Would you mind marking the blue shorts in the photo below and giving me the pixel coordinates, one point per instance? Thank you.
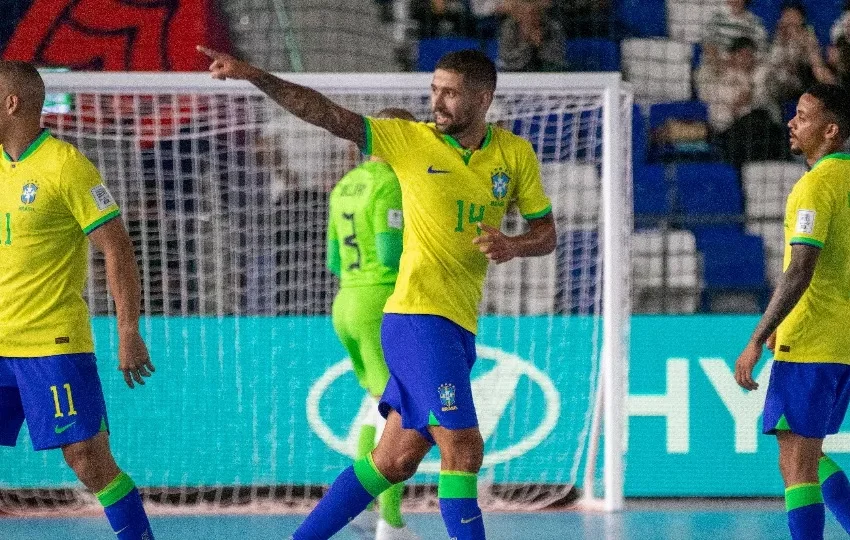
(430, 359)
(59, 396)
(809, 399)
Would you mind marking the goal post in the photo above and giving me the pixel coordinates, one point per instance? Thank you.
(254, 403)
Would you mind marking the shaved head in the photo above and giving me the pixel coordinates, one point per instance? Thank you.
(21, 79)
(395, 112)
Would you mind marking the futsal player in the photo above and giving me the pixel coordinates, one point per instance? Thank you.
(805, 323)
(458, 176)
(52, 203)
(364, 248)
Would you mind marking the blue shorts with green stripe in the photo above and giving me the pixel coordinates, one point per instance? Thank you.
(60, 397)
(430, 359)
(809, 399)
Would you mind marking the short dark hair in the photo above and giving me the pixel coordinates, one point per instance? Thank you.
(836, 101)
(24, 78)
(742, 42)
(474, 65)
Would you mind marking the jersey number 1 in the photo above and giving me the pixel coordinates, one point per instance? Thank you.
(8, 229)
(71, 410)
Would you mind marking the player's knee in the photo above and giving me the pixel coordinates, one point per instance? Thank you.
(82, 460)
(398, 467)
(463, 452)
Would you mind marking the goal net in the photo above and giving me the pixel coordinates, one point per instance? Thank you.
(254, 404)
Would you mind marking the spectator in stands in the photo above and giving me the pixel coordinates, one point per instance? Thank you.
(730, 22)
(841, 27)
(838, 53)
(438, 18)
(531, 41)
(584, 18)
(737, 109)
(794, 62)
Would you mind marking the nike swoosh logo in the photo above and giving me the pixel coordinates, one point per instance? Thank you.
(432, 170)
(59, 430)
(470, 520)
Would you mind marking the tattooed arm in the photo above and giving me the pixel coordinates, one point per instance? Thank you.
(305, 103)
(791, 287)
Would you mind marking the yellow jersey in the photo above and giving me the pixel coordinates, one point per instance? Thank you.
(818, 214)
(51, 198)
(446, 190)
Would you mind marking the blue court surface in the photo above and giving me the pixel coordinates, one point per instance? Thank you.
(728, 521)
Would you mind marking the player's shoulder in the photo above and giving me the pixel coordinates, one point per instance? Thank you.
(831, 171)
(509, 139)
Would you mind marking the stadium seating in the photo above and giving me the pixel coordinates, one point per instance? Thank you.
(766, 188)
(575, 192)
(674, 146)
(642, 18)
(431, 49)
(686, 19)
(651, 196)
(659, 69)
(640, 142)
(734, 268)
(592, 54)
(665, 272)
(821, 14)
(707, 193)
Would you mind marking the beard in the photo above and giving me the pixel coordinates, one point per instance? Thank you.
(452, 126)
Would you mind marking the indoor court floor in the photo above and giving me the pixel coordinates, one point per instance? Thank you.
(729, 520)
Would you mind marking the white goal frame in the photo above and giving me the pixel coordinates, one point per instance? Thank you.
(610, 406)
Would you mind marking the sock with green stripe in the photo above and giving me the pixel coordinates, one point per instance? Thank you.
(458, 493)
(366, 440)
(391, 505)
(836, 490)
(349, 495)
(122, 505)
(806, 514)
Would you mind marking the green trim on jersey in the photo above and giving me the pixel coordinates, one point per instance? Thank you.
(101, 221)
(30, 149)
(367, 144)
(836, 155)
(807, 241)
(466, 153)
(540, 214)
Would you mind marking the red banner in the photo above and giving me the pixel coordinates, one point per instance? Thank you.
(118, 35)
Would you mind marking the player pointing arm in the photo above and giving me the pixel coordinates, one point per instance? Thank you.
(305, 103)
(458, 177)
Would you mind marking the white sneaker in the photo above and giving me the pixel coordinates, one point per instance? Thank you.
(365, 523)
(385, 531)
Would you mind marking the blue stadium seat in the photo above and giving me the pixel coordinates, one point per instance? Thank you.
(552, 136)
(432, 49)
(706, 190)
(592, 54)
(643, 18)
(640, 141)
(651, 201)
(768, 11)
(732, 262)
(689, 111)
(577, 253)
(821, 14)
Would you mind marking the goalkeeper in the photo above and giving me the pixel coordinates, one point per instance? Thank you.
(364, 248)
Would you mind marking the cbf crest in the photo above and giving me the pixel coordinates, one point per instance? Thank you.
(500, 180)
(447, 397)
(28, 194)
